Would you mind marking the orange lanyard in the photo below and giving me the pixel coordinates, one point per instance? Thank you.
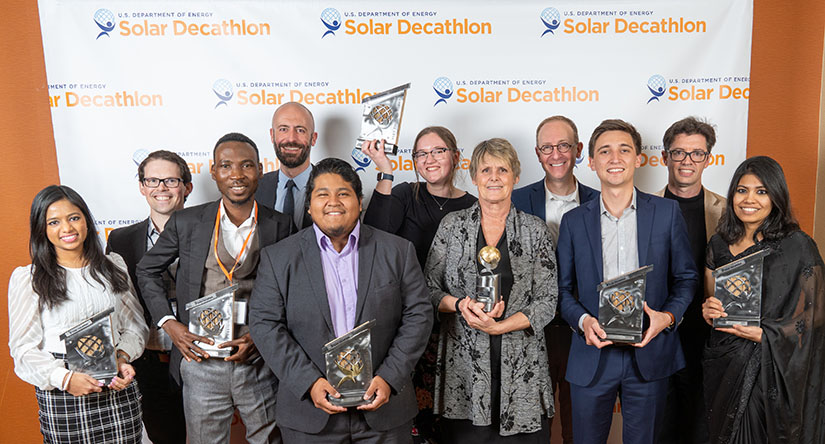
(229, 273)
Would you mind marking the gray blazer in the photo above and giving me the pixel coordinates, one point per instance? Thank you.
(462, 389)
(290, 322)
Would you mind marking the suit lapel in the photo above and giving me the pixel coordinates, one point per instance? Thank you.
(366, 250)
(267, 228)
(201, 245)
(644, 224)
(593, 228)
(311, 261)
(537, 200)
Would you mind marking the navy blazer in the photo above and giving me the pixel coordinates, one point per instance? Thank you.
(267, 193)
(531, 199)
(663, 241)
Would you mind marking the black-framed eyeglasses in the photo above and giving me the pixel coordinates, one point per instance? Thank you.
(170, 182)
(679, 155)
(563, 147)
(437, 153)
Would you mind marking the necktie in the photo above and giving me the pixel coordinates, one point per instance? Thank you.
(289, 199)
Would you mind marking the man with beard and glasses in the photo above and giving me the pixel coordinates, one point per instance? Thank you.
(217, 244)
(293, 135)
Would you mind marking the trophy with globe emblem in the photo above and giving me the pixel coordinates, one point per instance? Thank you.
(349, 365)
(90, 348)
(738, 285)
(214, 317)
(488, 284)
(381, 117)
(621, 305)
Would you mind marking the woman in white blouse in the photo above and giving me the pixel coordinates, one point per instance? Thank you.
(69, 280)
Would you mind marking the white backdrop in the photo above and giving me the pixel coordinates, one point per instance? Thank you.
(129, 77)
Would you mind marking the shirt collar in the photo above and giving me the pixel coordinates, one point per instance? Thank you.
(226, 222)
(300, 180)
(325, 243)
(572, 197)
(604, 209)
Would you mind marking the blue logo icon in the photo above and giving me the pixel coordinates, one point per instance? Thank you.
(331, 19)
(223, 89)
(656, 85)
(139, 156)
(444, 88)
(551, 19)
(360, 159)
(105, 21)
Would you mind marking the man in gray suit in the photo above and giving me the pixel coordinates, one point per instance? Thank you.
(319, 284)
(217, 244)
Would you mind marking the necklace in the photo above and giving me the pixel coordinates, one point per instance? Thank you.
(440, 205)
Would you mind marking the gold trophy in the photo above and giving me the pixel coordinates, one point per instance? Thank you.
(488, 284)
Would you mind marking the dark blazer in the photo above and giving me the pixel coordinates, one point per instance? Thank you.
(663, 242)
(130, 243)
(290, 322)
(267, 192)
(187, 236)
(531, 198)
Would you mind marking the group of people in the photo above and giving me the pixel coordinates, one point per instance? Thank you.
(446, 368)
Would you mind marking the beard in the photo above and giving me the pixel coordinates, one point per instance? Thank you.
(290, 160)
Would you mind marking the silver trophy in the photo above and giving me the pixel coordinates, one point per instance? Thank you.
(738, 285)
(349, 365)
(488, 284)
(213, 316)
(381, 118)
(90, 348)
(621, 305)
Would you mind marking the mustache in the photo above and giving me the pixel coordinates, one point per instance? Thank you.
(292, 145)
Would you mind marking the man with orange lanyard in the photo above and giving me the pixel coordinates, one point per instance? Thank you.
(218, 245)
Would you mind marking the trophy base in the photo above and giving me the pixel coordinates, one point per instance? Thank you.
(731, 321)
(349, 400)
(213, 351)
(389, 148)
(624, 337)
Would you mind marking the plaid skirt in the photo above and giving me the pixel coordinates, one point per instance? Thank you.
(106, 417)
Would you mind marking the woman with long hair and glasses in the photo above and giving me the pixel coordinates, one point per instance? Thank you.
(69, 280)
(765, 384)
(413, 210)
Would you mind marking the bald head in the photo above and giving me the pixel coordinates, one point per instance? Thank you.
(293, 135)
(294, 108)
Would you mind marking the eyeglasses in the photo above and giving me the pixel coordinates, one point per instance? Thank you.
(679, 155)
(563, 147)
(170, 182)
(437, 153)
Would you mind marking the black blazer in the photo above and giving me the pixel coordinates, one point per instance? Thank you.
(267, 192)
(290, 322)
(187, 236)
(130, 243)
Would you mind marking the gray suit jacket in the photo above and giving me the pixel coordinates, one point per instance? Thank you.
(290, 322)
(186, 236)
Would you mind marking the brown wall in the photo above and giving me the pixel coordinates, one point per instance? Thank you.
(786, 76)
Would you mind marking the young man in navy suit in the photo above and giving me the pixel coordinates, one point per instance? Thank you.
(602, 239)
(557, 148)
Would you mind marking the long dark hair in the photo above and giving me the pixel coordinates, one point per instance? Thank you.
(780, 222)
(48, 278)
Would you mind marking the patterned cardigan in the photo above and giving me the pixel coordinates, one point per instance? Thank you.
(462, 388)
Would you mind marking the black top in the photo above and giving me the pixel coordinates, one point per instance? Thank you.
(413, 218)
(693, 331)
(779, 379)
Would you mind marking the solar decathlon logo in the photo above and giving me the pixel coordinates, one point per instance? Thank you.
(443, 87)
(139, 156)
(360, 159)
(223, 89)
(656, 86)
(551, 19)
(105, 20)
(331, 19)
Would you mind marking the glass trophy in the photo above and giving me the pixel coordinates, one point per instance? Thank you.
(349, 365)
(488, 286)
(621, 305)
(381, 118)
(738, 285)
(212, 316)
(90, 348)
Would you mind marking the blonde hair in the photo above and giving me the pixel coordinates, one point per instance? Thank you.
(499, 148)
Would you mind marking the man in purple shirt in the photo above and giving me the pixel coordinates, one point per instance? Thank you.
(318, 285)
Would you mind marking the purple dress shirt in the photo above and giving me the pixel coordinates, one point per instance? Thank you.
(341, 278)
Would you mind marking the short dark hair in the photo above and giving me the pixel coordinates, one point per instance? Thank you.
(690, 126)
(559, 118)
(48, 278)
(780, 222)
(615, 125)
(168, 156)
(334, 166)
(236, 137)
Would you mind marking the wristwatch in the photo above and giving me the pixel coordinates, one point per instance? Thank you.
(385, 176)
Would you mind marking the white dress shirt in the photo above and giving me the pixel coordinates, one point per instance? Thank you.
(554, 208)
